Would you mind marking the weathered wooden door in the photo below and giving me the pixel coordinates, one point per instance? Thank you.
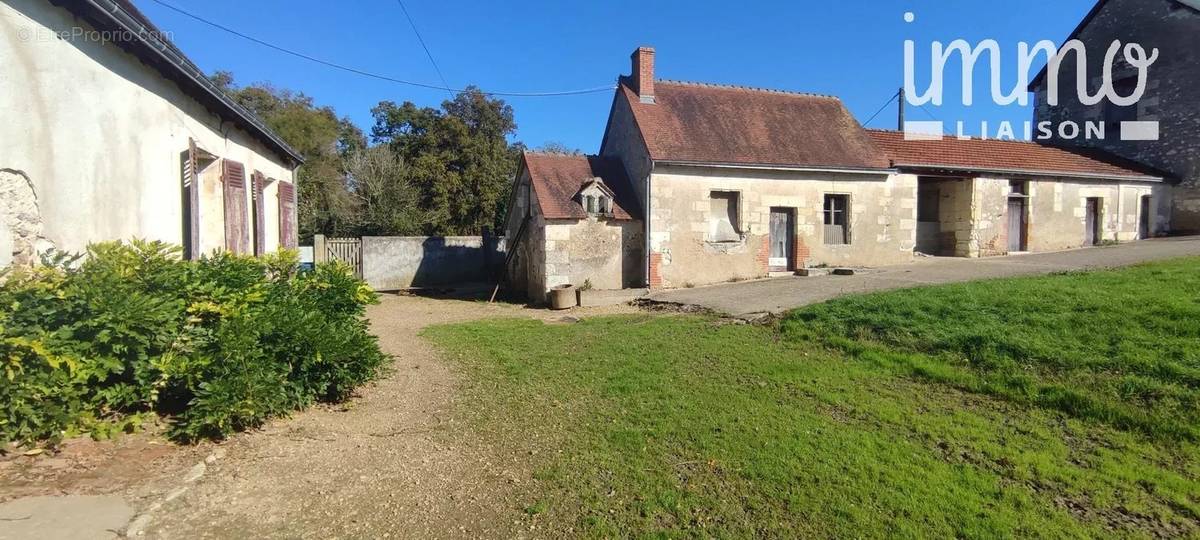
(1016, 224)
(782, 238)
(1144, 218)
(237, 230)
(1092, 222)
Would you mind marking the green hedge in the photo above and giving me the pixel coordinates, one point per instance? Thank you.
(100, 342)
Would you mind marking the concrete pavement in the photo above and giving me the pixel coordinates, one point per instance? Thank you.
(781, 294)
(69, 517)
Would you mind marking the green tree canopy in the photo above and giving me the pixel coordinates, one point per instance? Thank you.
(459, 157)
(444, 171)
(325, 204)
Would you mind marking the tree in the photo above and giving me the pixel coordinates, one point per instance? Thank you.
(555, 147)
(459, 158)
(387, 202)
(325, 203)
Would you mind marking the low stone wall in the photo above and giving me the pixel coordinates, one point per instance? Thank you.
(401, 262)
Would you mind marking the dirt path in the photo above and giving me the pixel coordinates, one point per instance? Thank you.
(391, 463)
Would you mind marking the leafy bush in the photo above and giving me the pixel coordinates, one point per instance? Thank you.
(216, 345)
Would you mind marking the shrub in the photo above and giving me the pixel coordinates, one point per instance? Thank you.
(215, 345)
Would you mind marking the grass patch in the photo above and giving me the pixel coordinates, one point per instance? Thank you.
(1119, 346)
(668, 426)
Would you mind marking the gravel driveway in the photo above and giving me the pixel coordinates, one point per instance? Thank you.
(393, 462)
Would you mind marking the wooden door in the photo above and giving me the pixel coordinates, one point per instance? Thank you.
(1144, 218)
(782, 240)
(1092, 222)
(1016, 224)
(237, 230)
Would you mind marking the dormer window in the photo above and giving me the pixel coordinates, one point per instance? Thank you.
(596, 198)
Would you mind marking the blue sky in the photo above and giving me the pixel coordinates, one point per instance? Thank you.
(853, 50)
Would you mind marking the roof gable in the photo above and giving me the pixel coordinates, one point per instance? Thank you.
(1087, 20)
(701, 123)
(556, 180)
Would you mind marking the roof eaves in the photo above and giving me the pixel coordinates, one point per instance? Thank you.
(776, 167)
(1030, 172)
(150, 40)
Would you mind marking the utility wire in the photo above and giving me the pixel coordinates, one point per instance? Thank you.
(934, 118)
(606, 88)
(885, 105)
(426, 47)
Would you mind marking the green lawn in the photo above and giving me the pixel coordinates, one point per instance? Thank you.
(1056, 406)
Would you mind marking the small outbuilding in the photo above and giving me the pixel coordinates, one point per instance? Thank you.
(572, 221)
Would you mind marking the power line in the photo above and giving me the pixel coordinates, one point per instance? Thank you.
(607, 88)
(423, 46)
(881, 108)
(934, 118)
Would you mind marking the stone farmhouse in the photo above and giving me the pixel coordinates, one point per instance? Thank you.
(700, 183)
(111, 133)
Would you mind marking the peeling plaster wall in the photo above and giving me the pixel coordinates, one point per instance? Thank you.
(21, 238)
(623, 141)
(101, 136)
(608, 253)
(882, 221)
(1171, 97)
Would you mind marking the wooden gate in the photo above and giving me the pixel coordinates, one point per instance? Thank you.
(347, 250)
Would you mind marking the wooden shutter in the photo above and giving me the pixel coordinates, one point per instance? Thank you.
(233, 176)
(260, 218)
(287, 215)
(191, 203)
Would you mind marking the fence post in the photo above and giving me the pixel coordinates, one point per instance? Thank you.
(319, 253)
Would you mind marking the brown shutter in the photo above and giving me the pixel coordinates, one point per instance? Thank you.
(260, 218)
(237, 238)
(191, 203)
(287, 215)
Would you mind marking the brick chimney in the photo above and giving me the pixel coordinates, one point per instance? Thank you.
(643, 73)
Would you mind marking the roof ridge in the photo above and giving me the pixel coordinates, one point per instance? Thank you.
(558, 154)
(745, 88)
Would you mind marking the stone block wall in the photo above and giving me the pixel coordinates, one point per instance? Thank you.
(882, 221)
(605, 253)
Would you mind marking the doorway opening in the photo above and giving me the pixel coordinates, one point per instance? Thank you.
(1018, 203)
(783, 240)
(1092, 231)
(1144, 230)
(940, 214)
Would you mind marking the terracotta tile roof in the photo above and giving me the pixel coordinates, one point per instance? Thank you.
(1005, 156)
(705, 123)
(557, 178)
